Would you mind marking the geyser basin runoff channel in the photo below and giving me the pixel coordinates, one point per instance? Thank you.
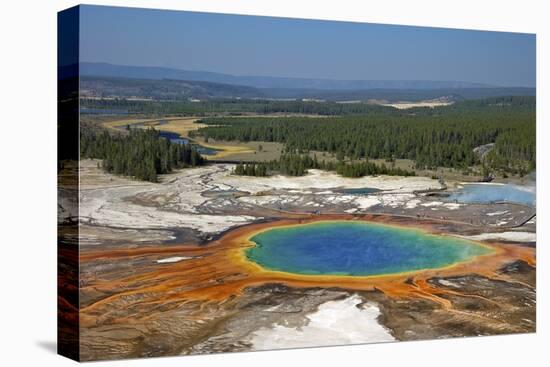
(357, 249)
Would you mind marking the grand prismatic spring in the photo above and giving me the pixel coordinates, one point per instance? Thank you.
(356, 249)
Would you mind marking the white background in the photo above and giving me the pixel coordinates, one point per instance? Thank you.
(28, 181)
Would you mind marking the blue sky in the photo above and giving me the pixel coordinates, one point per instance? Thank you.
(247, 45)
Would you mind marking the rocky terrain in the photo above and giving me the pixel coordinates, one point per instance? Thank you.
(159, 275)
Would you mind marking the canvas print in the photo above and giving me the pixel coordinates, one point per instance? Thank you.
(235, 183)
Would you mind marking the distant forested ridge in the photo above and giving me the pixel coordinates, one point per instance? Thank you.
(284, 87)
(102, 70)
(439, 137)
(165, 89)
(231, 106)
(141, 154)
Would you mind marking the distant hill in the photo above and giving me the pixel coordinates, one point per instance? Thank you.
(100, 79)
(147, 72)
(162, 89)
(169, 89)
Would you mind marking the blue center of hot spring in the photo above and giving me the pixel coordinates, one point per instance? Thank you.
(356, 249)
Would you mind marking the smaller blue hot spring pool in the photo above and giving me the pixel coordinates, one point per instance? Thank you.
(491, 193)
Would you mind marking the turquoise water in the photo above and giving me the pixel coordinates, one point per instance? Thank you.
(177, 139)
(490, 193)
(356, 248)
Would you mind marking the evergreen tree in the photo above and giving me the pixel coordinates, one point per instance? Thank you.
(142, 154)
